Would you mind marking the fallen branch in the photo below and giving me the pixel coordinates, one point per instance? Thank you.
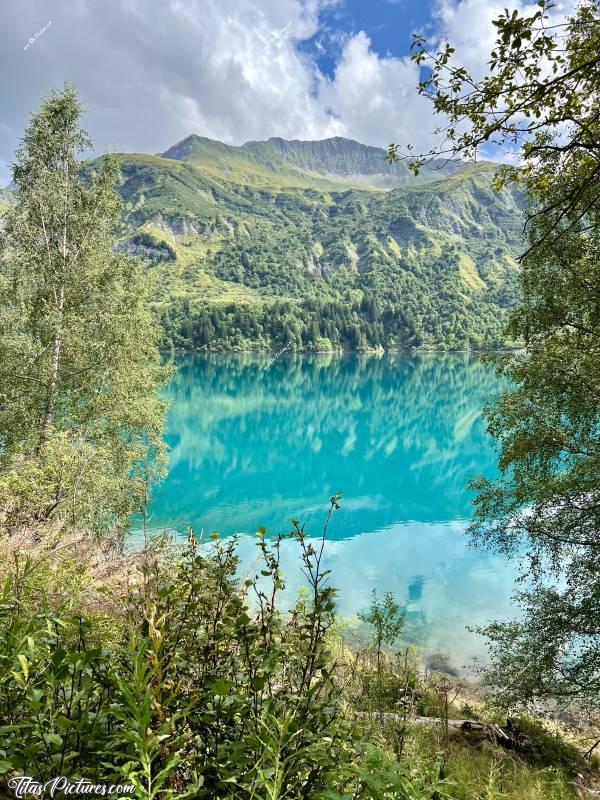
(472, 730)
(467, 727)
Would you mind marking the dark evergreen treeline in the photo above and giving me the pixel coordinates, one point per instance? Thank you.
(315, 324)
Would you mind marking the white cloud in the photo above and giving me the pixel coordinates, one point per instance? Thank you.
(467, 24)
(153, 71)
(375, 97)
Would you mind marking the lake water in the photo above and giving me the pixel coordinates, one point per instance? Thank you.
(255, 442)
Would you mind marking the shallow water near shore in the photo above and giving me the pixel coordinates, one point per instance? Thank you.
(256, 441)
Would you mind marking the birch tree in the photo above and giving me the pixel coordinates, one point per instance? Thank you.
(80, 418)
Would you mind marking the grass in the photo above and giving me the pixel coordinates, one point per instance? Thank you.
(468, 272)
(482, 772)
(174, 282)
(494, 774)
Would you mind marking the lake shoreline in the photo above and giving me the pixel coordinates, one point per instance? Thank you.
(372, 352)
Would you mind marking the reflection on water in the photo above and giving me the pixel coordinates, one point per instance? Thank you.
(254, 443)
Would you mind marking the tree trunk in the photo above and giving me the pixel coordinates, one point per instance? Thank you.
(52, 383)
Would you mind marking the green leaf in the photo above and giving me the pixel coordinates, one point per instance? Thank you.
(221, 687)
(24, 665)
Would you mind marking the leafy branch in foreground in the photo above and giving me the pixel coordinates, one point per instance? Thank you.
(540, 97)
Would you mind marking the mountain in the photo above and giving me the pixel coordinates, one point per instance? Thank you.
(320, 245)
(334, 163)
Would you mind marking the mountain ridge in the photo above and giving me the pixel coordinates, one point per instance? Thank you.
(335, 160)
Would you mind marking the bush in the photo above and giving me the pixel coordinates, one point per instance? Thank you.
(192, 686)
(184, 683)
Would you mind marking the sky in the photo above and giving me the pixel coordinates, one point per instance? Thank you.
(151, 72)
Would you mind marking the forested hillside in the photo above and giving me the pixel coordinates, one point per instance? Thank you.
(319, 246)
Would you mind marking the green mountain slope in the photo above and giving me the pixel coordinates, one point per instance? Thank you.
(297, 244)
(320, 245)
(7, 197)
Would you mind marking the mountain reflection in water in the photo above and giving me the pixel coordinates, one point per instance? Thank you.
(255, 442)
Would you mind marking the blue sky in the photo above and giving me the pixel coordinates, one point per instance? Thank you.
(151, 72)
(388, 23)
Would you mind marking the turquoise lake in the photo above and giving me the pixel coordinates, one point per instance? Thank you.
(255, 442)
